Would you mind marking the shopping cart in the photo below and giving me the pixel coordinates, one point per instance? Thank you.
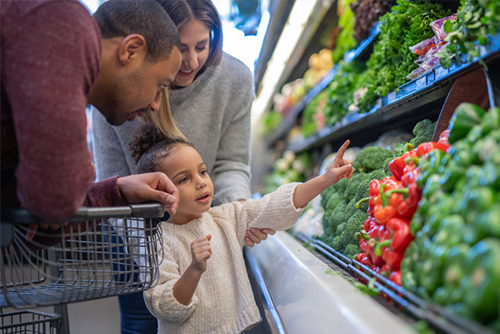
(84, 262)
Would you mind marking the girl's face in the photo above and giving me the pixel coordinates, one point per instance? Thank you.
(185, 167)
(195, 39)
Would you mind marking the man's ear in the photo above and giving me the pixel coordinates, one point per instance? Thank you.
(132, 48)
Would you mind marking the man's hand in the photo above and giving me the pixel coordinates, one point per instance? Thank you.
(155, 187)
(255, 235)
(32, 228)
(340, 167)
(201, 251)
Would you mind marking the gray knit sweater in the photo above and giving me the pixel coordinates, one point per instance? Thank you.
(213, 113)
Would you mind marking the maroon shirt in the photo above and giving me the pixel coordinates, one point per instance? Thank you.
(50, 55)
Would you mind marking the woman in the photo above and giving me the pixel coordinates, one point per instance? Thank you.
(210, 100)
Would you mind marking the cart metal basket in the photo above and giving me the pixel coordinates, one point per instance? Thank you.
(24, 322)
(88, 257)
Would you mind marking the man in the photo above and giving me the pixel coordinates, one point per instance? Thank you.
(54, 63)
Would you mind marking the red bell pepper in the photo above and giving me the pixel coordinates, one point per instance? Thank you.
(397, 165)
(396, 277)
(373, 235)
(373, 194)
(392, 258)
(408, 206)
(400, 234)
(386, 208)
(425, 148)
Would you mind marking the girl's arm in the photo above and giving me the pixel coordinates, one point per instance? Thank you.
(161, 300)
(281, 209)
(339, 168)
(186, 285)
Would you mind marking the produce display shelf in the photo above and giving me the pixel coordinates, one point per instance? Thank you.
(438, 317)
(415, 99)
(360, 52)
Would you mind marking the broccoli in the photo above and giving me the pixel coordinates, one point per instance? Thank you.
(351, 209)
(423, 132)
(400, 149)
(386, 167)
(362, 192)
(338, 216)
(325, 195)
(340, 228)
(333, 201)
(351, 251)
(326, 222)
(353, 184)
(353, 226)
(340, 185)
(371, 158)
(378, 174)
(336, 244)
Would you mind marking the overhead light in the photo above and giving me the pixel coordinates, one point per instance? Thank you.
(299, 15)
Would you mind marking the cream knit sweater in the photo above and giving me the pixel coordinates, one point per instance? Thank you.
(223, 301)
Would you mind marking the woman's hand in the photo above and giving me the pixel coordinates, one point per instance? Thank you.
(255, 235)
(340, 167)
(201, 251)
(155, 187)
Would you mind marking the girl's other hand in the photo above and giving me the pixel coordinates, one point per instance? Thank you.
(255, 235)
(201, 251)
(340, 167)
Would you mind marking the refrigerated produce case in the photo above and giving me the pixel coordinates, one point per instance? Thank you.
(309, 298)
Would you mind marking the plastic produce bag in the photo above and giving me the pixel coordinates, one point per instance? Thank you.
(438, 26)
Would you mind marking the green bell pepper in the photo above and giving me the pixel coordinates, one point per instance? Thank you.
(489, 176)
(475, 134)
(482, 149)
(409, 279)
(486, 224)
(451, 175)
(482, 282)
(429, 167)
(490, 121)
(465, 117)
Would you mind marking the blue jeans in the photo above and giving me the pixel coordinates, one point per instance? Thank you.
(135, 316)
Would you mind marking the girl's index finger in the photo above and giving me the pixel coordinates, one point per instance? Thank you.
(341, 151)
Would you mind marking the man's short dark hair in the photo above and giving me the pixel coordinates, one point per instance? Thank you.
(120, 18)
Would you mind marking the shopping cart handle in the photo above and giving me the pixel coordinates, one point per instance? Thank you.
(150, 210)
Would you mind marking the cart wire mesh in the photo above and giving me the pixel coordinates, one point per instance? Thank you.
(100, 252)
(23, 322)
(438, 317)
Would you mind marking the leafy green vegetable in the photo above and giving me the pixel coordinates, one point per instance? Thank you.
(345, 39)
(271, 121)
(391, 61)
(476, 19)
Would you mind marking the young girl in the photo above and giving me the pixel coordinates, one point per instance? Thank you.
(203, 285)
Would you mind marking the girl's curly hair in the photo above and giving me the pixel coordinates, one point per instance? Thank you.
(149, 146)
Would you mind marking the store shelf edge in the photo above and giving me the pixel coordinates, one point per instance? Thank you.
(287, 123)
(397, 102)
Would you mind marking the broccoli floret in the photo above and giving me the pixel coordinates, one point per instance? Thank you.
(338, 216)
(362, 192)
(333, 201)
(340, 228)
(325, 195)
(371, 158)
(353, 226)
(336, 244)
(378, 174)
(351, 209)
(340, 186)
(386, 167)
(400, 149)
(423, 132)
(351, 251)
(326, 222)
(353, 184)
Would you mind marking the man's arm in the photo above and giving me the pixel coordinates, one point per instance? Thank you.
(52, 62)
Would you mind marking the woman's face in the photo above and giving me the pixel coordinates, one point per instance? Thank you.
(195, 39)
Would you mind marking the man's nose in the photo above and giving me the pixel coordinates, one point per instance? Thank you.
(155, 105)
